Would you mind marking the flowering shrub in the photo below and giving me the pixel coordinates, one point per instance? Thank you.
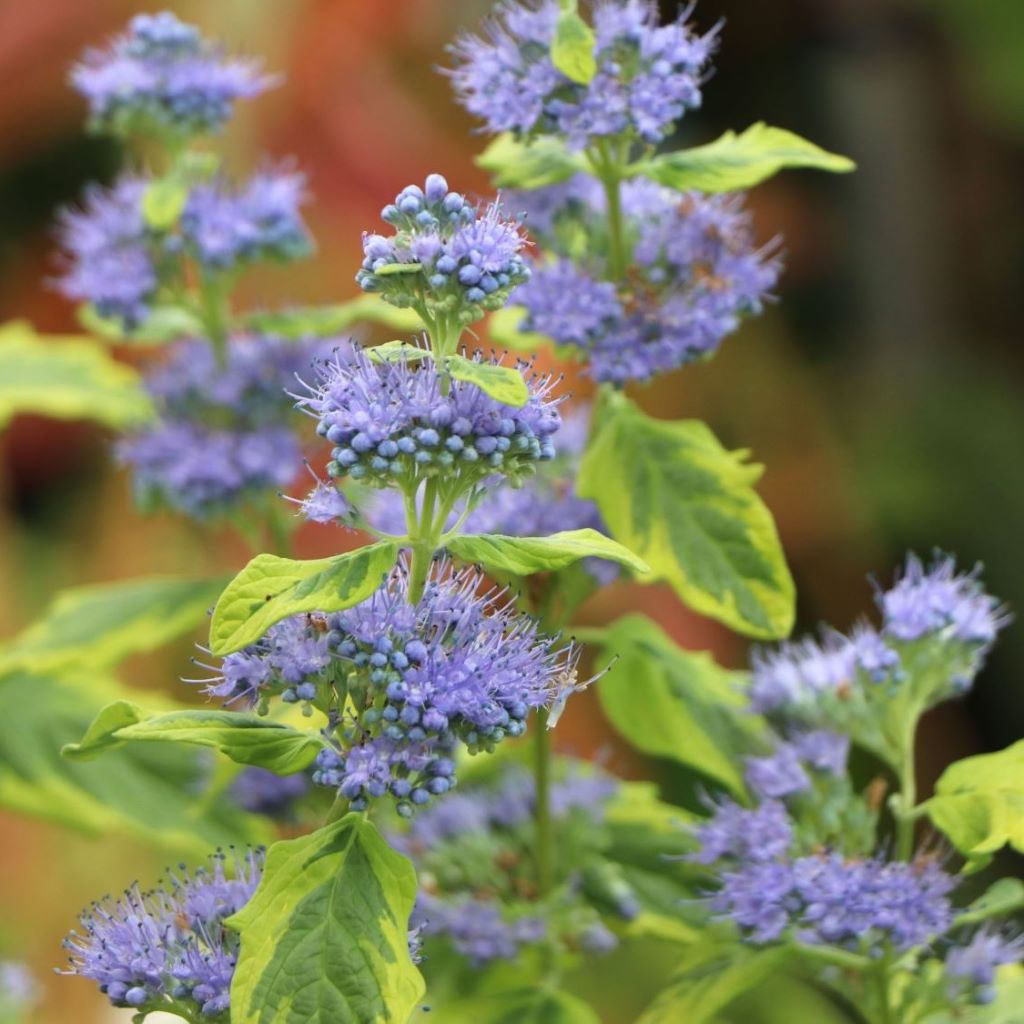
(391, 706)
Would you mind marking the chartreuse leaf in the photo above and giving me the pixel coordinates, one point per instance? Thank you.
(67, 378)
(1004, 896)
(504, 384)
(572, 48)
(673, 703)
(397, 352)
(979, 804)
(709, 978)
(673, 495)
(541, 161)
(246, 739)
(145, 791)
(101, 624)
(503, 328)
(324, 321)
(271, 588)
(1005, 1007)
(163, 323)
(163, 202)
(524, 556)
(739, 161)
(539, 1005)
(325, 937)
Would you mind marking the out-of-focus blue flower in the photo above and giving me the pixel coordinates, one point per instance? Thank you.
(224, 434)
(937, 599)
(697, 274)
(19, 990)
(746, 834)
(117, 263)
(169, 943)
(972, 965)
(648, 75)
(487, 832)
(162, 78)
(224, 229)
(398, 422)
(784, 772)
(449, 259)
(110, 253)
(263, 792)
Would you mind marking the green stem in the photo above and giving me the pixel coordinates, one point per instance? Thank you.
(542, 813)
(881, 975)
(608, 167)
(216, 315)
(279, 532)
(906, 818)
(424, 543)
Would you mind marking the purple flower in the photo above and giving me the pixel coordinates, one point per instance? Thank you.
(778, 775)
(109, 249)
(938, 600)
(19, 990)
(223, 436)
(170, 942)
(263, 792)
(697, 275)
(223, 229)
(476, 928)
(456, 259)
(161, 77)
(203, 471)
(458, 665)
(398, 422)
(972, 966)
(754, 834)
(648, 75)
(825, 899)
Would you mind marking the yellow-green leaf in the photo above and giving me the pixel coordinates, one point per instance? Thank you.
(739, 161)
(504, 384)
(325, 321)
(687, 506)
(325, 936)
(572, 49)
(271, 588)
(163, 202)
(67, 378)
(529, 165)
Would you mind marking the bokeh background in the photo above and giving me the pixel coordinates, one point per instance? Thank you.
(883, 392)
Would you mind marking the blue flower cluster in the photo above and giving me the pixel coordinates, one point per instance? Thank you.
(448, 259)
(117, 262)
(473, 852)
(152, 950)
(458, 665)
(648, 75)
(403, 422)
(784, 772)
(822, 898)
(223, 435)
(934, 621)
(697, 273)
(162, 78)
(972, 966)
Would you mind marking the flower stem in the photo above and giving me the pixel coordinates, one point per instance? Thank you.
(214, 310)
(542, 812)
(424, 545)
(608, 168)
(905, 817)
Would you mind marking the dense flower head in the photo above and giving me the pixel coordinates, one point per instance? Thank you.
(937, 599)
(402, 422)
(163, 78)
(972, 965)
(787, 770)
(935, 622)
(826, 899)
(764, 832)
(457, 665)
(648, 75)
(223, 434)
(223, 228)
(472, 852)
(109, 246)
(449, 258)
(696, 274)
(117, 262)
(147, 950)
